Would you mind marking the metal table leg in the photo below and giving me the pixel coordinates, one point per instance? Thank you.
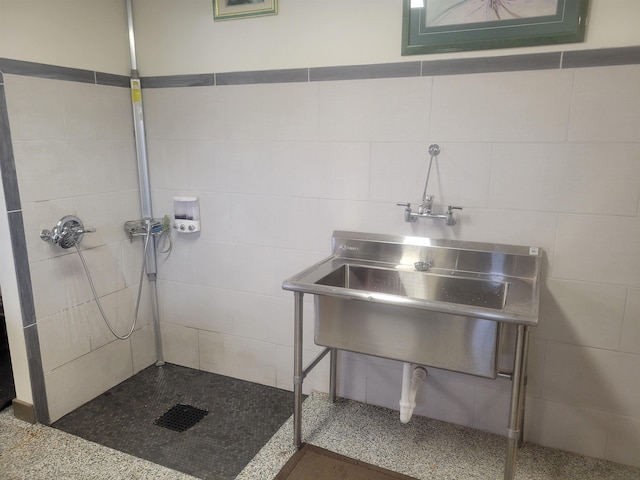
(515, 414)
(298, 376)
(333, 370)
(523, 390)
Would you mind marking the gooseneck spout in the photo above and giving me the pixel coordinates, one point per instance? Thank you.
(434, 151)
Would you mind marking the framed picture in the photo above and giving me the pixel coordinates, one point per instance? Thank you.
(230, 9)
(435, 26)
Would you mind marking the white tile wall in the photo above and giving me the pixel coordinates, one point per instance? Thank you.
(271, 112)
(64, 336)
(238, 357)
(374, 110)
(546, 158)
(83, 379)
(180, 345)
(623, 439)
(592, 378)
(598, 249)
(35, 106)
(460, 174)
(502, 107)
(143, 348)
(589, 178)
(630, 337)
(74, 154)
(605, 106)
(582, 313)
(527, 154)
(559, 425)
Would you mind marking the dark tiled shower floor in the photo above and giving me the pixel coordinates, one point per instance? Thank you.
(242, 417)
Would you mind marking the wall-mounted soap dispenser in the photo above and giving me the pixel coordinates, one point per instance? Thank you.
(186, 213)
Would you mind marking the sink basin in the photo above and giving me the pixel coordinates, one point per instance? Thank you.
(419, 285)
(369, 298)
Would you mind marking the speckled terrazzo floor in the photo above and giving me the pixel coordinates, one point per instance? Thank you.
(425, 449)
(38, 452)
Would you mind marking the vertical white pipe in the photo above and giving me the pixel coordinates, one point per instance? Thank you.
(132, 40)
(412, 378)
(143, 179)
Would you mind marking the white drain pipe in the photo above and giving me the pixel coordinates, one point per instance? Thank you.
(411, 381)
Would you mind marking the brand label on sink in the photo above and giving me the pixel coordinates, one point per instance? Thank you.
(533, 250)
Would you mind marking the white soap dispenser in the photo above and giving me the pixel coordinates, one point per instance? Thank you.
(186, 214)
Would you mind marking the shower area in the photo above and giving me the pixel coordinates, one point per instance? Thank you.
(108, 361)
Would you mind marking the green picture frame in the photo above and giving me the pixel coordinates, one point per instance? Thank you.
(233, 9)
(437, 26)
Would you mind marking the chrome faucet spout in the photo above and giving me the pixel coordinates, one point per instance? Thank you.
(426, 205)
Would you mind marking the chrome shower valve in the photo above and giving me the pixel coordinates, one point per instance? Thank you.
(67, 232)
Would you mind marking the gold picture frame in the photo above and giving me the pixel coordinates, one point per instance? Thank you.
(232, 9)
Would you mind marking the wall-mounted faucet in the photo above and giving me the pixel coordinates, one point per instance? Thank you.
(426, 205)
(410, 216)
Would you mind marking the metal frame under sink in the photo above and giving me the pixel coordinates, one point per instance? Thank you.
(403, 298)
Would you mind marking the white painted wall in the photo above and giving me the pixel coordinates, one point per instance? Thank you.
(177, 37)
(88, 34)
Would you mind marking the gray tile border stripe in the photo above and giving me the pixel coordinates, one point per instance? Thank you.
(36, 374)
(30, 327)
(170, 81)
(112, 80)
(508, 63)
(21, 260)
(263, 76)
(604, 57)
(53, 72)
(363, 72)
(7, 160)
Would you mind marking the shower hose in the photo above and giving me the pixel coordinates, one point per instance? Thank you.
(95, 295)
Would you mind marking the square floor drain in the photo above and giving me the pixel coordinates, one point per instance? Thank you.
(181, 417)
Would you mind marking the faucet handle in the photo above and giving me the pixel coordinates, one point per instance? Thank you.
(450, 220)
(408, 216)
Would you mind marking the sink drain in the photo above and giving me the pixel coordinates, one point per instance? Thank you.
(181, 417)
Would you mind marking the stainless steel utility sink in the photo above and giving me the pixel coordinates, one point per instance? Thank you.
(440, 303)
(369, 298)
(419, 285)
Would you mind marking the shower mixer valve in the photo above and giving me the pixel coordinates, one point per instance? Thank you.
(67, 232)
